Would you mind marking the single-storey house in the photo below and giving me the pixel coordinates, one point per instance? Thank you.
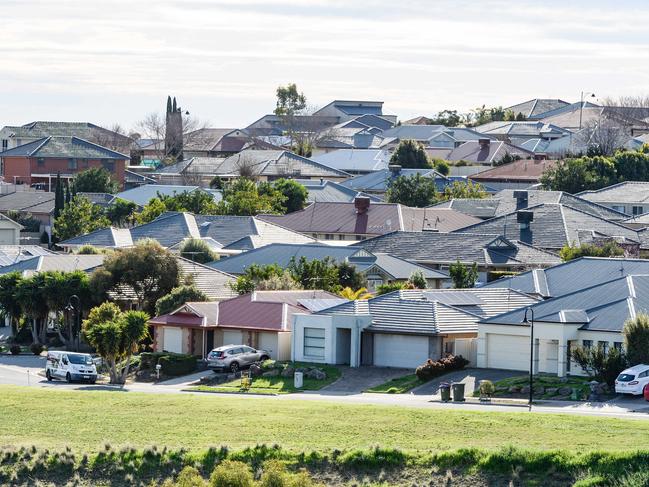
(400, 329)
(262, 319)
(593, 316)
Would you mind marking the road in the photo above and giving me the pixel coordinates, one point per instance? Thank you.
(26, 371)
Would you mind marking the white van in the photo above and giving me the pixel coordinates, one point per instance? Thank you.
(70, 366)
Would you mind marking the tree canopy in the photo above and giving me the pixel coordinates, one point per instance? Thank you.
(607, 249)
(464, 189)
(417, 191)
(177, 297)
(197, 250)
(197, 202)
(295, 194)
(463, 276)
(78, 217)
(411, 155)
(95, 180)
(636, 339)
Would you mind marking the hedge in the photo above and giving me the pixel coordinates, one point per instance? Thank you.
(172, 363)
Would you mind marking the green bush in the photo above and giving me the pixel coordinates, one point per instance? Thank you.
(36, 348)
(276, 475)
(432, 369)
(269, 364)
(232, 474)
(177, 364)
(14, 349)
(190, 477)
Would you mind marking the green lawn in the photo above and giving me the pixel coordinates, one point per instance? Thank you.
(398, 385)
(84, 420)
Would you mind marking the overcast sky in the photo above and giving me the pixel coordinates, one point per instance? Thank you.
(115, 61)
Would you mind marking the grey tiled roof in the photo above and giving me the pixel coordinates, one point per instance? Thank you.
(213, 283)
(55, 262)
(553, 226)
(537, 106)
(572, 276)
(28, 201)
(626, 192)
(63, 147)
(331, 192)
(143, 194)
(379, 181)
(83, 130)
(601, 307)
(359, 160)
(446, 248)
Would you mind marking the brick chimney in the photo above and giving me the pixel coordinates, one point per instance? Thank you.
(362, 204)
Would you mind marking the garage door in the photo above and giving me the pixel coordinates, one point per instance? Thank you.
(508, 352)
(173, 340)
(400, 350)
(232, 338)
(7, 237)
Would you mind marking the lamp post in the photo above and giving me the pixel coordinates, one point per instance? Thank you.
(581, 105)
(76, 308)
(531, 325)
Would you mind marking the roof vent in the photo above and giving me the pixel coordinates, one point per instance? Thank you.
(395, 169)
(484, 143)
(362, 204)
(521, 199)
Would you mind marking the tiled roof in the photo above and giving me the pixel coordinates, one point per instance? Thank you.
(572, 276)
(63, 147)
(143, 194)
(355, 160)
(205, 139)
(474, 151)
(83, 130)
(625, 192)
(446, 248)
(553, 226)
(213, 283)
(11, 254)
(522, 170)
(537, 106)
(331, 192)
(380, 218)
(600, 307)
(55, 262)
(379, 181)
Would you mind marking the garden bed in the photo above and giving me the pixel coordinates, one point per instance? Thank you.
(398, 385)
(545, 387)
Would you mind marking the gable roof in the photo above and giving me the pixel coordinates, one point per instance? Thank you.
(329, 191)
(537, 106)
(553, 226)
(55, 262)
(141, 195)
(380, 218)
(484, 153)
(524, 170)
(63, 147)
(355, 160)
(84, 130)
(447, 248)
(378, 181)
(213, 283)
(625, 192)
(568, 277)
(11, 254)
(600, 307)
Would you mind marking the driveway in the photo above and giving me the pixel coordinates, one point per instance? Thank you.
(470, 377)
(355, 380)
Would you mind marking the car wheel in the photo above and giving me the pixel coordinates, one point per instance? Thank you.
(234, 367)
(68, 377)
(48, 376)
(264, 358)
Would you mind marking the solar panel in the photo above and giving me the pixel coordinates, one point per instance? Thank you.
(454, 298)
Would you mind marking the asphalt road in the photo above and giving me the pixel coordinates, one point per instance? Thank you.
(26, 371)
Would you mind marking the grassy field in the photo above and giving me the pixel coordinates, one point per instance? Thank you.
(399, 385)
(85, 420)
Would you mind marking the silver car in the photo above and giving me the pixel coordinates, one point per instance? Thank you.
(234, 357)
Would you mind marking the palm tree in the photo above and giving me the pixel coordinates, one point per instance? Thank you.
(352, 295)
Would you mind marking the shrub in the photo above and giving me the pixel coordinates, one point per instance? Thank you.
(14, 349)
(177, 364)
(45, 238)
(231, 474)
(190, 477)
(269, 364)
(603, 366)
(432, 369)
(276, 475)
(36, 348)
(487, 388)
(636, 339)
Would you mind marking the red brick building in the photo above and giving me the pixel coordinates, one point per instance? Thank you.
(40, 161)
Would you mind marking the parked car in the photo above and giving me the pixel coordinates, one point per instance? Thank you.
(645, 392)
(70, 366)
(632, 380)
(234, 357)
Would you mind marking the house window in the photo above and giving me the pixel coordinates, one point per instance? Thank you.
(40, 161)
(314, 342)
(108, 165)
(603, 346)
(587, 344)
(72, 163)
(619, 208)
(617, 346)
(5, 144)
(637, 210)
(329, 236)
(341, 237)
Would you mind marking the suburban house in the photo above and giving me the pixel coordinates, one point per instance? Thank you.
(482, 151)
(551, 226)
(9, 231)
(508, 200)
(222, 232)
(363, 219)
(141, 195)
(215, 142)
(493, 254)
(630, 197)
(516, 132)
(40, 161)
(400, 329)
(532, 109)
(11, 254)
(592, 316)
(330, 192)
(378, 182)
(345, 110)
(265, 165)
(378, 268)
(519, 174)
(54, 262)
(262, 319)
(355, 161)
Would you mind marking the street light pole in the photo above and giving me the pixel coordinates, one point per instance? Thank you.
(531, 325)
(581, 105)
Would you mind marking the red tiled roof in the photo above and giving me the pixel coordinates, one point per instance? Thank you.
(528, 170)
(179, 319)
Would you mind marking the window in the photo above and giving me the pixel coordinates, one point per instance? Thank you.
(108, 165)
(619, 208)
(341, 237)
(603, 346)
(637, 210)
(72, 163)
(329, 236)
(587, 344)
(40, 161)
(5, 144)
(314, 342)
(617, 346)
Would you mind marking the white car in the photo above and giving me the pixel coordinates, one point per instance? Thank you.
(70, 366)
(632, 380)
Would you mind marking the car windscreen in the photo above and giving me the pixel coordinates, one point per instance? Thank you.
(80, 359)
(625, 377)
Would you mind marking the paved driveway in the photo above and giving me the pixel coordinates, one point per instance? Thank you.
(470, 377)
(355, 380)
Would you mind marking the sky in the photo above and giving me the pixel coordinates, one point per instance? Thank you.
(115, 61)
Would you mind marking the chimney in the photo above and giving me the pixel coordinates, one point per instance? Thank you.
(395, 169)
(521, 199)
(484, 143)
(362, 204)
(524, 218)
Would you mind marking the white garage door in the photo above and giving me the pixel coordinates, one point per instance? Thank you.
(508, 352)
(268, 342)
(7, 236)
(173, 340)
(400, 350)
(232, 337)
